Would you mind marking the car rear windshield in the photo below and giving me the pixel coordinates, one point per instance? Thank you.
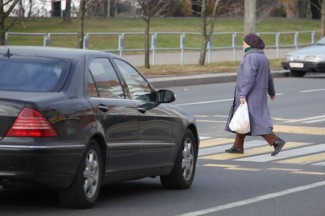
(19, 73)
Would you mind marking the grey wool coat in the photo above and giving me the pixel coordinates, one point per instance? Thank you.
(255, 82)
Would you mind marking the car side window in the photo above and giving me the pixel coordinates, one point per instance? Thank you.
(138, 87)
(103, 81)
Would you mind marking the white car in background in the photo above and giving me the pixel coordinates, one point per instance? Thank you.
(304, 60)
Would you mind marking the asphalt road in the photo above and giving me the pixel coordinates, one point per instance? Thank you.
(290, 184)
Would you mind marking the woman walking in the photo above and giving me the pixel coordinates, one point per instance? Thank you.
(254, 83)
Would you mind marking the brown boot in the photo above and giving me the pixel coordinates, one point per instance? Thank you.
(238, 147)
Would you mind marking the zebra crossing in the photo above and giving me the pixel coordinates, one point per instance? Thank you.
(308, 120)
(259, 151)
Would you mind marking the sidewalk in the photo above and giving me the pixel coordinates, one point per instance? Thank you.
(200, 79)
(192, 58)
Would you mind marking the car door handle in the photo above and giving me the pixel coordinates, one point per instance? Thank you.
(103, 108)
(141, 109)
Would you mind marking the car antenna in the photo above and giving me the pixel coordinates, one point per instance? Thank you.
(8, 54)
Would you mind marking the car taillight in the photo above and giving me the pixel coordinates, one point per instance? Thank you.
(31, 123)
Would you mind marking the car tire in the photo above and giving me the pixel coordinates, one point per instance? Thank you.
(297, 73)
(183, 172)
(84, 190)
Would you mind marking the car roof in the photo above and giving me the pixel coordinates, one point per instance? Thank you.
(55, 52)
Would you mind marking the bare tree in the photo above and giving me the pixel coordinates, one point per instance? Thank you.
(81, 18)
(149, 9)
(291, 8)
(26, 10)
(209, 9)
(83, 7)
(21, 7)
(6, 7)
(319, 6)
(322, 19)
(67, 12)
(208, 18)
(113, 8)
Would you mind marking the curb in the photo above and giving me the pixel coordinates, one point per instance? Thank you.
(201, 79)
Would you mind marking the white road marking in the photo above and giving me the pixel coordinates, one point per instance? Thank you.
(315, 121)
(306, 120)
(320, 163)
(254, 199)
(205, 102)
(204, 137)
(312, 90)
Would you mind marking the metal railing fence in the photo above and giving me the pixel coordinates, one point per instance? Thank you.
(124, 42)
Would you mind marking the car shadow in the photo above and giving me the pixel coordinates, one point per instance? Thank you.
(40, 202)
(315, 76)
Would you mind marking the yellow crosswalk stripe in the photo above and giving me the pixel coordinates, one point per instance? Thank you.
(304, 159)
(252, 151)
(231, 167)
(215, 142)
(299, 130)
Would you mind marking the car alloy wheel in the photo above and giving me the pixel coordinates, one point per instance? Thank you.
(188, 159)
(183, 172)
(84, 190)
(91, 174)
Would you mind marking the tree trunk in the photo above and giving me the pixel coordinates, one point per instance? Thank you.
(113, 8)
(67, 12)
(2, 24)
(250, 16)
(322, 21)
(147, 44)
(81, 17)
(204, 39)
(291, 8)
(206, 23)
(203, 52)
(2, 29)
(3, 16)
(21, 8)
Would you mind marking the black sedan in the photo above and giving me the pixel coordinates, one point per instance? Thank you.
(305, 60)
(75, 119)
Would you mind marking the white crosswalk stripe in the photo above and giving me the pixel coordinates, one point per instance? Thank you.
(309, 120)
(320, 163)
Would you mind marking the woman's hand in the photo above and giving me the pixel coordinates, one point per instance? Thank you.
(272, 97)
(242, 100)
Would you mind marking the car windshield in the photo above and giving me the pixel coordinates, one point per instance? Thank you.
(321, 41)
(19, 73)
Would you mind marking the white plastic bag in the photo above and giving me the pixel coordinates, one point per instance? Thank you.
(240, 120)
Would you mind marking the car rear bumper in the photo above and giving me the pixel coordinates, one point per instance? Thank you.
(50, 165)
(304, 66)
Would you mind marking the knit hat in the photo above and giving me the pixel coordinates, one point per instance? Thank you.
(254, 41)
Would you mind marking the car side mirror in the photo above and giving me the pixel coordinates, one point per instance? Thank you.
(166, 96)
